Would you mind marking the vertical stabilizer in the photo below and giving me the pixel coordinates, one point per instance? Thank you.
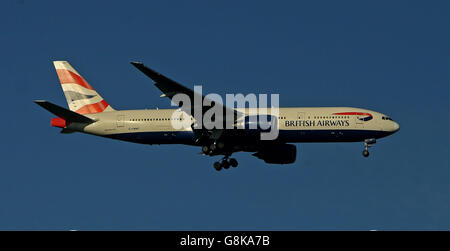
(80, 95)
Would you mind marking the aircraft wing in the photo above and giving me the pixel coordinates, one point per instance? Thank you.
(170, 88)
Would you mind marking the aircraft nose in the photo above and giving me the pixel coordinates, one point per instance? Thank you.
(395, 126)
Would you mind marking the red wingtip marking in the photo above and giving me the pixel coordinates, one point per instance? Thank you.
(93, 108)
(67, 77)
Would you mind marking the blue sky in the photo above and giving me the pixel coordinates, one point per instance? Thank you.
(388, 56)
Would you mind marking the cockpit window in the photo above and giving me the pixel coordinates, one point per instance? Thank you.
(386, 118)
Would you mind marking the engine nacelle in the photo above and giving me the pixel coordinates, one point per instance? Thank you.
(278, 154)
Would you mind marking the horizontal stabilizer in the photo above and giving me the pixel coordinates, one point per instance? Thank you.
(67, 131)
(63, 112)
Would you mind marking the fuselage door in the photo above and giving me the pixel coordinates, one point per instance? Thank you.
(359, 122)
(120, 120)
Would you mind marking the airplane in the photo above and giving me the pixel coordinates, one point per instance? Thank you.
(89, 113)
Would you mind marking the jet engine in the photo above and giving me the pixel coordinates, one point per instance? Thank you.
(278, 154)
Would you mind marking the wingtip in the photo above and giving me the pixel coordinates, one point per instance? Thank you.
(38, 101)
(136, 63)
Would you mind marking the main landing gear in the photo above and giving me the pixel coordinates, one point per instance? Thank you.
(218, 148)
(212, 148)
(368, 143)
(225, 163)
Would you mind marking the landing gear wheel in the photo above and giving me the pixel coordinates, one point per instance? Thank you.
(217, 166)
(365, 153)
(233, 162)
(205, 149)
(225, 164)
(368, 143)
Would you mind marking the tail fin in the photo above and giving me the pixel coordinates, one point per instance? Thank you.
(80, 95)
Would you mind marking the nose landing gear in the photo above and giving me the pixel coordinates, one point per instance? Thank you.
(368, 143)
(225, 163)
(366, 152)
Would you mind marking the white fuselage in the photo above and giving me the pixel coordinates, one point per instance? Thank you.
(299, 124)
